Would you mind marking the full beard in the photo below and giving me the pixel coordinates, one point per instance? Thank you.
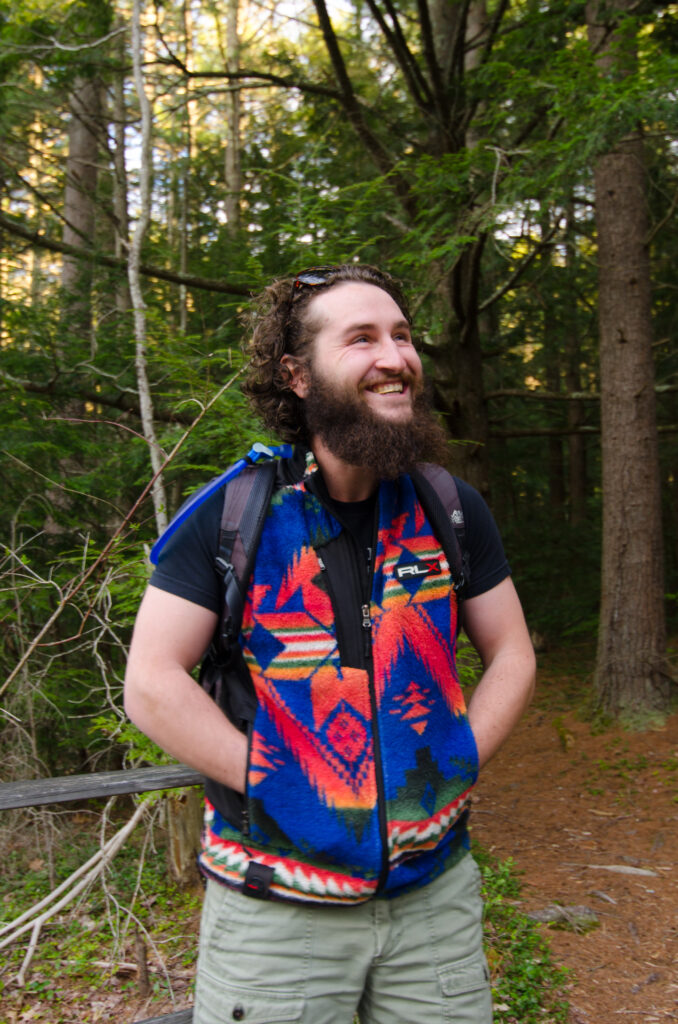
(360, 437)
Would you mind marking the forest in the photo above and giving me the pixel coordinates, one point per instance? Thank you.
(513, 162)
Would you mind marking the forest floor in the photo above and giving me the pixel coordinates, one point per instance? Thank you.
(589, 817)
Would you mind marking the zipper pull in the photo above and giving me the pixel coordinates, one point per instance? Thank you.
(367, 630)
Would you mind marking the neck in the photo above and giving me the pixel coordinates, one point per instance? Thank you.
(344, 481)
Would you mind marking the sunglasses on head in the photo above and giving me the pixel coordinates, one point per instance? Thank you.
(313, 277)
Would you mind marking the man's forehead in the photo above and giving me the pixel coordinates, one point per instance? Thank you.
(355, 305)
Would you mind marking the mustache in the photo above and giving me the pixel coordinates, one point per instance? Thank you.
(410, 380)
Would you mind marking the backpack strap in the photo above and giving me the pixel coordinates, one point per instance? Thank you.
(246, 502)
(439, 495)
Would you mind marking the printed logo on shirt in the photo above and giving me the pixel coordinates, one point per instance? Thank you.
(415, 570)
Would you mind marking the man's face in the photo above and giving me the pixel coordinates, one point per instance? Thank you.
(363, 349)
(363, 387)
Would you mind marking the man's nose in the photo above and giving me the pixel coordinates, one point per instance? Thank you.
(390, 355)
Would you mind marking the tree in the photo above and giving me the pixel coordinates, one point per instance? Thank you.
(631, 670)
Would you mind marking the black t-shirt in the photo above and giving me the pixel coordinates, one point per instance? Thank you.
(186, 563)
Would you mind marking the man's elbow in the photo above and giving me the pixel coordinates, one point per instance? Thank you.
(137, 700)
(530, 674)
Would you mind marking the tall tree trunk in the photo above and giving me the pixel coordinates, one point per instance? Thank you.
(185, 175)
(232, 167)
(79, 200)
(465, 413)
(123, 300)
(576, 469)
(631, 670)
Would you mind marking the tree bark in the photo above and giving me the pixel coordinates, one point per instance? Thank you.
(232, 163)
(79, 200)
(123, 300)
(465, 412)
(631, 671)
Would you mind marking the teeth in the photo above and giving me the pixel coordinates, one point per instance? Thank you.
(388, 388)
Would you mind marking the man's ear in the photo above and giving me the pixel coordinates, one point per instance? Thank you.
(299, 382)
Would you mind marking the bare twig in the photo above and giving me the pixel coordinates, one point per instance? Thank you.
(71, 887)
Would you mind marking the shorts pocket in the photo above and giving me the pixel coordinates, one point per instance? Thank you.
(467, 975)
(220, 1002)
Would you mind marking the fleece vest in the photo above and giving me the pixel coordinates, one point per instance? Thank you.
(359, 768)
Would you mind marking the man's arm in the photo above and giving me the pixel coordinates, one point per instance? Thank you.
(165, 702)
(495, 625)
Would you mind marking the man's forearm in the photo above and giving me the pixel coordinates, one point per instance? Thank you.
(182, 719)
(499, 700)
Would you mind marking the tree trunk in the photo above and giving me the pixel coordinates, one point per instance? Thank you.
(577, 485)
(184, 824)
(79, 200)
(232, 166)
(576, 468)
(465, 412)
(123, 300)
(631, 670)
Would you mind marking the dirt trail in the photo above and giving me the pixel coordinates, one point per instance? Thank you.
(566, 805)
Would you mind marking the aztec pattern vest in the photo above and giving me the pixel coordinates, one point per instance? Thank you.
(358, 777)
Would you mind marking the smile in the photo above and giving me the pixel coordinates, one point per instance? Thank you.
(388, 388)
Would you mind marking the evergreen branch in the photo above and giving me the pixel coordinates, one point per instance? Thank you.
(118, 263)
(77, 584)
(123, 401)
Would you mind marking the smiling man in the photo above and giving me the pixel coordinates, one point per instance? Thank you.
(335, 844)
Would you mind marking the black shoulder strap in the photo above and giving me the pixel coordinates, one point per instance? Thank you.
(438, 493)
(246, 502)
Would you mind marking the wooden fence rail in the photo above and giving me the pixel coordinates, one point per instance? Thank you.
(37, 792)
(33, 792)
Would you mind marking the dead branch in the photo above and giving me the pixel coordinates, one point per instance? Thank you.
(71, 887)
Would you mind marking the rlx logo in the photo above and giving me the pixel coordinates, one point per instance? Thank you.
(426, 567)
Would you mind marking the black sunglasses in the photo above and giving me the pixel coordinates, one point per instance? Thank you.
(313, 277)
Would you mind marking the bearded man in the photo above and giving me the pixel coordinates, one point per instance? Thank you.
(345, 798)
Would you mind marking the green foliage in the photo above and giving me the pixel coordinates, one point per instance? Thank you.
(526, 986)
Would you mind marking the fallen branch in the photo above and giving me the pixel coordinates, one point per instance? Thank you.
(71, 887)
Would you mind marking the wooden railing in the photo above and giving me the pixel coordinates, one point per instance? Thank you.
(36, 792)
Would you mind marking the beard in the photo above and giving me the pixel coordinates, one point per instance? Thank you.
(354, 433)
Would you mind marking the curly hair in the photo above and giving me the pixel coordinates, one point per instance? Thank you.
(279, 326)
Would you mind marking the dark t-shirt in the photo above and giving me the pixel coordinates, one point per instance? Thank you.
(186, 564)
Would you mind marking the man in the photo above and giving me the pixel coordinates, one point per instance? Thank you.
(344, 801)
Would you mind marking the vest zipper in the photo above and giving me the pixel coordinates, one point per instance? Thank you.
(365, 649)
(245, 819)
(366, 622)
(367, 631)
